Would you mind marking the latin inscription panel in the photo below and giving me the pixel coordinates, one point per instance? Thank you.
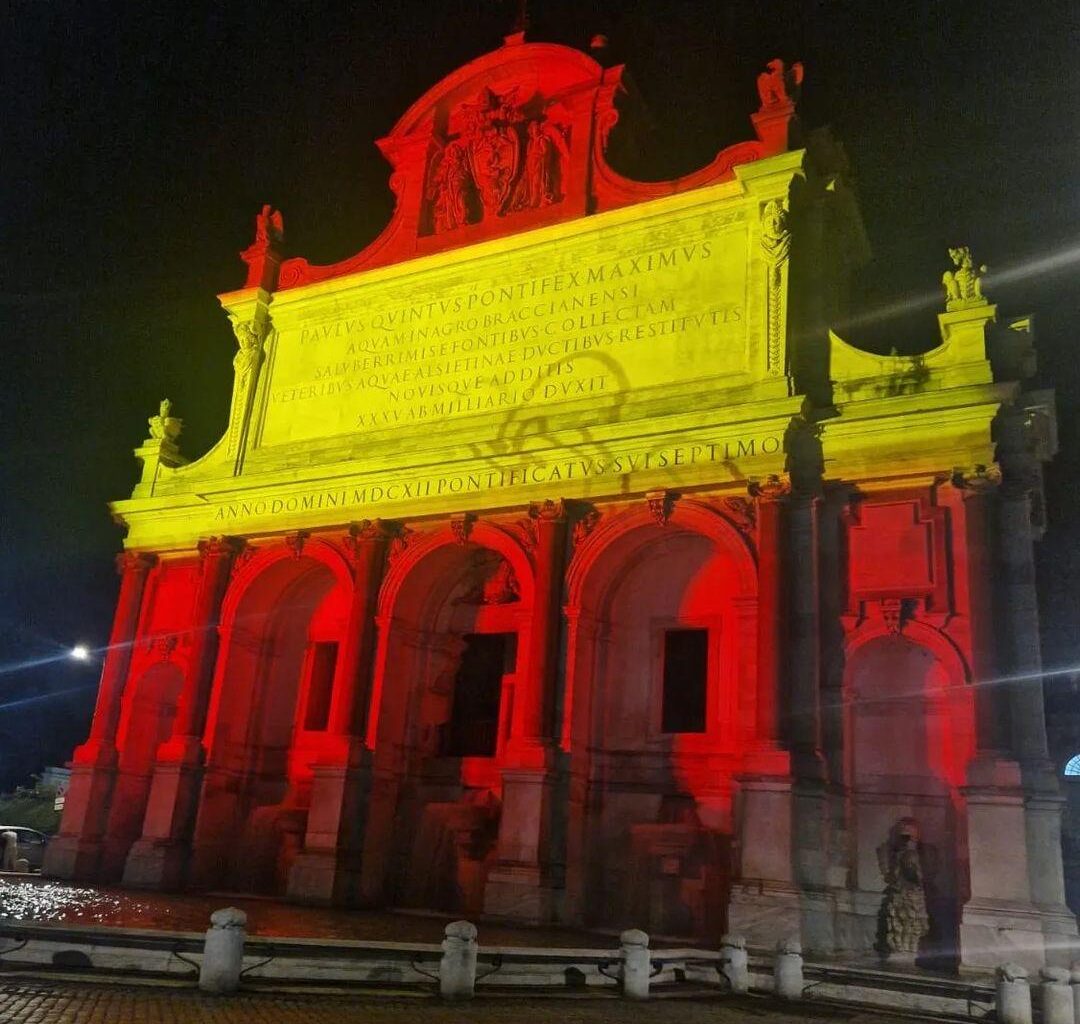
(511, 336)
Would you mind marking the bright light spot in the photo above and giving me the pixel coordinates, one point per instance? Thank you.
(80, 652)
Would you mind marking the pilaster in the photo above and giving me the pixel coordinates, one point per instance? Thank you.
(524, 882)
(76, 852)
(328, 868)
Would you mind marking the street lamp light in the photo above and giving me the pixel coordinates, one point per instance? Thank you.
(80, 652)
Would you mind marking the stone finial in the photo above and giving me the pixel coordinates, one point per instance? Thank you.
(457, 968)
(636, 964)
(788, 971)
(963, 285)
(1013, 995)
(263, 254)
(735, 964)
(223, 952)
(464, 930)
(1056, 997)
(163, 426)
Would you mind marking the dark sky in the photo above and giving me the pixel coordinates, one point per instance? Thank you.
(141, 138)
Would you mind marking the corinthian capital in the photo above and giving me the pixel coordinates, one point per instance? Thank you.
(976, 480)
(770, 488)
(135, 561)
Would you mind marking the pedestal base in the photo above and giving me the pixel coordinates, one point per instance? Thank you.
(72, 858)
(763, 914)
(157, 864)
(75, 854)
(325, 877)
(522, 894)
(993, 932)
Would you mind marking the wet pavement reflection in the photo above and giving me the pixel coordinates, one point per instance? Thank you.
(45, 900)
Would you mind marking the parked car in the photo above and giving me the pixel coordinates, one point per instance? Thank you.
(31, 844)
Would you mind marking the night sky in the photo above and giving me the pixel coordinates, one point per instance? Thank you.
(141, 138)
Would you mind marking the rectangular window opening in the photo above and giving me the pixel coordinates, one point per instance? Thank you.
(474, 718)
(321, 668)
(686, 662)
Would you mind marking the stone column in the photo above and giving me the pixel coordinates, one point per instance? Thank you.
(327, 871)
(1016, 907)
(522, 882)
(810, 816)
(991, 712)
(1021, 657)
(158, 860)
(75, 853)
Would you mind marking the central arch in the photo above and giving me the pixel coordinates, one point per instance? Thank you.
(454, 620)
(661, 702)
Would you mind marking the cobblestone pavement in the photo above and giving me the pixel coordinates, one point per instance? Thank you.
(33, 1002)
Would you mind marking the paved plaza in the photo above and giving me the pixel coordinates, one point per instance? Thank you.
(32, 1002)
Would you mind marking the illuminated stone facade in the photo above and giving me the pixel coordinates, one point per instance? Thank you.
(559, 563)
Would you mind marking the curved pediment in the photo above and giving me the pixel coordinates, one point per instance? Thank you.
(511, 141)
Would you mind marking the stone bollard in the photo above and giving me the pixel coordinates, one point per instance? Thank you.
(457, 968)
(9, 850)
(787, 974)
(1013, 995)
(636, 966)
(1055, 996)
(1074, 984)
(223, 954)
(734, 963)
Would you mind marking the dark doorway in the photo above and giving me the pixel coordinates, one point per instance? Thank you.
(686, 655)
(474, 719)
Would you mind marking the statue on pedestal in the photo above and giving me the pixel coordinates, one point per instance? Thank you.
(904, 920)
(963, 286)
(164, 427)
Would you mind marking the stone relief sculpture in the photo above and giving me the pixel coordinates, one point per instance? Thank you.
(245, 368)
(779, 85)
(164, 427)
(963, 286)
(904, 921)
(503, 159)
(451, 183)
(776, 247)
(249, 352)
(545, 152)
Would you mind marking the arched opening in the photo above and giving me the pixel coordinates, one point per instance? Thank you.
(146, 724)
(275, 678)
(911, 728)
(662, 685)
(452, 639)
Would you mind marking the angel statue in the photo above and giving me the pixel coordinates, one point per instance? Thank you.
(963, 286)
(778, 85)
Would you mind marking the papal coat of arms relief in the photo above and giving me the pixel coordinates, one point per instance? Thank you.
(505, 156)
